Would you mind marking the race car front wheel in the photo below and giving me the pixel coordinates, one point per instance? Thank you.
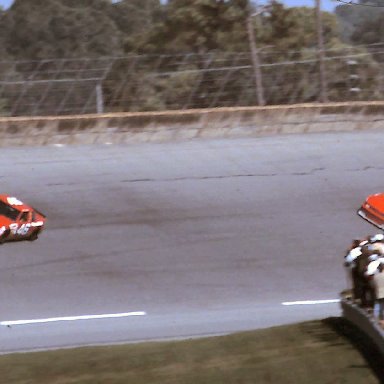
(34, 236)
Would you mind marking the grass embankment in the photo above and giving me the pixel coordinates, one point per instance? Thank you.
(329, 351)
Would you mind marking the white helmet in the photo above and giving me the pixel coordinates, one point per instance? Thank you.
(377, 237)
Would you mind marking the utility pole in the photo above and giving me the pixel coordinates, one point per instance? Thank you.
(255, 56)
(320, 52)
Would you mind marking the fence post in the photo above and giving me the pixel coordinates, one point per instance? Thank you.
(320, 50)
(99, 99)
(255, 56)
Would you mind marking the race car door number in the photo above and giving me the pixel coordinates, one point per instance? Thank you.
(22, 230)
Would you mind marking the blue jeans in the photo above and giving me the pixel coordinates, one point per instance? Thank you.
(379, 308)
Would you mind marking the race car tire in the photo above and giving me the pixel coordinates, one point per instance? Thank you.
(4, 236)
(34, 236)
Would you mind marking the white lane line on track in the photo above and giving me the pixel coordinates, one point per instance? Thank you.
(311, 302)
(72, 318)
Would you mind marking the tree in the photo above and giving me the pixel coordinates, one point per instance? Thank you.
(209, 31)
(41, 29)
(135, 16)
(135, 19)
(290, 29)
(355, 20)
(369, 31)
(200, 26)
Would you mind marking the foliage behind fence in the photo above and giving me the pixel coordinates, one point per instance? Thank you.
(160, 82)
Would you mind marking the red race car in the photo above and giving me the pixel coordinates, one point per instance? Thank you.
(373, 210)
(19, 221)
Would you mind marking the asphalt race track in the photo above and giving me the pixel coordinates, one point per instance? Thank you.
(182, 239)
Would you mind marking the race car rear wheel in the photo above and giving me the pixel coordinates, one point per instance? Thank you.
(4, 236)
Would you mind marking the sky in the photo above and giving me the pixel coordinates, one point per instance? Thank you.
(6, 3)
(327, 5)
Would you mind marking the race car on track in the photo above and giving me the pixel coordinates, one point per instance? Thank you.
(19, 221)
(372, 210)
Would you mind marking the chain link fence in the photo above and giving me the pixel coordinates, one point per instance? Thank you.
(167, 82)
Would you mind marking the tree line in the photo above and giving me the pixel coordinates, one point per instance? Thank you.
(35, 30)
(41, 29)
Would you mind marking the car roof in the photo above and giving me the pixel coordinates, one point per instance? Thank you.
(14, 202)
(376, 200)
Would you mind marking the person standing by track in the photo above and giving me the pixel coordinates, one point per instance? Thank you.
(378, 284)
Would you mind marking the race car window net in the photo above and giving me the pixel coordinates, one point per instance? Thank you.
(24, 216)
(8, 211)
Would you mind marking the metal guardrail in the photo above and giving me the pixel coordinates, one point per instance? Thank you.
(364, 321)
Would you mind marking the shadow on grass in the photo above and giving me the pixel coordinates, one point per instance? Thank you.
(325, 333)
(361, 342)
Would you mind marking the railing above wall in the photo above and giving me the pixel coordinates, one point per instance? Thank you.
(188, 80)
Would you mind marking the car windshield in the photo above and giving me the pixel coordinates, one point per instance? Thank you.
(8, 211)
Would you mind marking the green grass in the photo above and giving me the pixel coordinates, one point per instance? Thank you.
(327, 352)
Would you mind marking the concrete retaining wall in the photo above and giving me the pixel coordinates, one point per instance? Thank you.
(364, 322)
(191, 124)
